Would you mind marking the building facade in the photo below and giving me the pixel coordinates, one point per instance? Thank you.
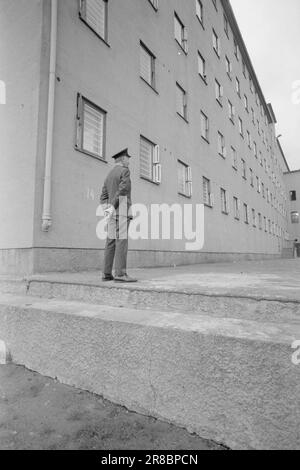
(172, 81)
(292, 181)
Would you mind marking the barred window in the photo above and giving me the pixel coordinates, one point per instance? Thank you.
(90, 128)
(184, 179)
(150, 167)
(94, 13)
(147, 65)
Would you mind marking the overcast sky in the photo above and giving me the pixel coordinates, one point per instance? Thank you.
(271, 31)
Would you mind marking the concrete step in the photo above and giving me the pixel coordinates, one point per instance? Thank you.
(226, 379)
(230, 303)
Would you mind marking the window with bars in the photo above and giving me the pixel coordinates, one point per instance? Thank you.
(216, 43)
(221, 145)
(147, 65)
(234, 158)
(207, 195)
(224, 203)
(202, 66)
(246, 214)
(231, 111)
(184, 179)
(219, 92)
(180, 33)
(181, 101)
(94, 13)
(236, 208)
(204, 126)
(90, 136)
(150, 168)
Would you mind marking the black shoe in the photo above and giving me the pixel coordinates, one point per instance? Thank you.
(125, 278)
(107, 277)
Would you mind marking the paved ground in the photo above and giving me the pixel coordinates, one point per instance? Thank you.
(39, 413)
(271, 279)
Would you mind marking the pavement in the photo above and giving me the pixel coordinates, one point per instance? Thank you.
(39, 413)
(267, 279)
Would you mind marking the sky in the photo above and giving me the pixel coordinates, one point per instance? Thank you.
(271, 31)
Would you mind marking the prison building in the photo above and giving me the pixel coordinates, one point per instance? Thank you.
(292, 182)
(169, 79)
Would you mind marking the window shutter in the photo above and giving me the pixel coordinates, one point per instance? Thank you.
(146, 150)
(95, 11)
(93, 125)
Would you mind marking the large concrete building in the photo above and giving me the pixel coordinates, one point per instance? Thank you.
(292, 181)
(172, 81)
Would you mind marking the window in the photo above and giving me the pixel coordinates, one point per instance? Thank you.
(255, 149)
(293, 195)
(221, 145)
(226, 26)
(236, 49)
(181, 101)
(253, 115)
(265, 224)
(207, 196)
(231, 111)
(154, 3)
(260, 221)
(147, 65)
(201, 66)
(150, 168)
(246, 103)
(244, 69)
(244, 169)
(249, 139)
(199, 11)
(238, 86)
(216, 43)
(90, 128)
(253, 218)
(241, 130)
(251, 85)
(246, 214)
(251, 177)
(236, 206)
(180, 33)
(263, 190)
(219, 92)
(228, 67)
(234, 158)
(94, 13)
(224, 206)
(204, 126)
(258, 185)
(295, 217)
(184, 179)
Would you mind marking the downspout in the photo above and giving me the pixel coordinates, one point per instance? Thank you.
(46, 217)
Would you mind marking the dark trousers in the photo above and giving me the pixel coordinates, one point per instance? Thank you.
(116, 246)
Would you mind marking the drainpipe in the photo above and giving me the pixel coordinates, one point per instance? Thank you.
(46, 217)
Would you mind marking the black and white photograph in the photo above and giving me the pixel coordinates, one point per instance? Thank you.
(149, 228)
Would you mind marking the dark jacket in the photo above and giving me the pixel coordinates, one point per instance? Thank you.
(116, 184)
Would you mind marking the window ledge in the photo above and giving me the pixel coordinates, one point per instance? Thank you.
(205, 140)
(219, 102)
(225, 213)
(149, 180)
(232, 121)
(210, 206)
(185, 195)
(149, 85)
(217, 53)
(203, 79)
(90, 154)
(182, 117)
(154, 7)
(181, 47)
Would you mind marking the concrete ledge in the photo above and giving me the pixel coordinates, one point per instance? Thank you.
(228, 380)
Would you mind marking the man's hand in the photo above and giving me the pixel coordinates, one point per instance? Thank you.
(109, 211)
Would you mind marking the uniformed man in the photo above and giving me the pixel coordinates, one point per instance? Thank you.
(116, 199)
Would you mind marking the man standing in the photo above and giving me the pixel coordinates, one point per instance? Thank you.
(116, 199)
